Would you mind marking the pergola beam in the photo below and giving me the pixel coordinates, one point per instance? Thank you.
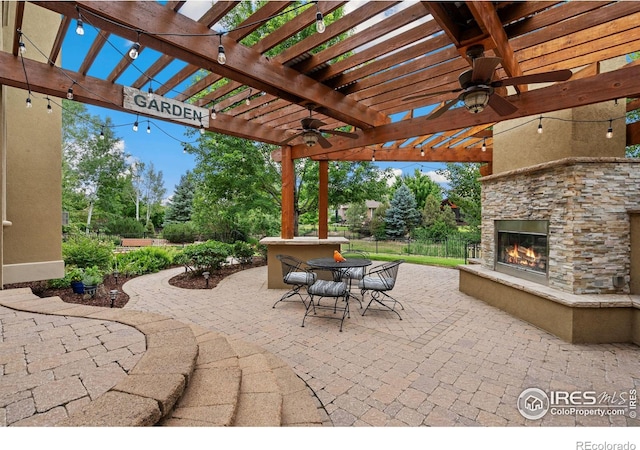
(55, 82)
(243, 64)
(570, 94)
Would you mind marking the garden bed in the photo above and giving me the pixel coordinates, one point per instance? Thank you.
(191, 280)
(187, 280)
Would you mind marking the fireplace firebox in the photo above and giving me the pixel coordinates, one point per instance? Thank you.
(522, 249)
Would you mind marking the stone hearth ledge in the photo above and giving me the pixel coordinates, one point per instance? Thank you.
(554, 295)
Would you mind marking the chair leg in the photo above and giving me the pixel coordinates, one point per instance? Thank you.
(354, 295)
(375, 297)
(291, 293)
(312, 306)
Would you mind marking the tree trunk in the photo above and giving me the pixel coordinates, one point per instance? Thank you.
(89, 216)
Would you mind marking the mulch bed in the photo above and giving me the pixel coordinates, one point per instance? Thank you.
(101, 297)
(187, 280)
(191, 280)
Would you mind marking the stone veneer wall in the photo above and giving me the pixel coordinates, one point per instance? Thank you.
(587, 203)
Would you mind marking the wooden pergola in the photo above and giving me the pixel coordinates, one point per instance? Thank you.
(381, 52)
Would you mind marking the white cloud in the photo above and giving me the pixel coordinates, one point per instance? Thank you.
(436, 177)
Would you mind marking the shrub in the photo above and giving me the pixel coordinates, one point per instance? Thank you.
(144, 260)
(243, 252)
(71, 273)
(207, 256)
(93, 276)
(180, 233)
(83, 251)
(126, 227)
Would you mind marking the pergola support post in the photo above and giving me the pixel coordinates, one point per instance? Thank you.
(288, 198)
(323, 200)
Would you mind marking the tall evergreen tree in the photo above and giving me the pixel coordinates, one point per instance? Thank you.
(181, 204)
(421, 185)
(402, 215)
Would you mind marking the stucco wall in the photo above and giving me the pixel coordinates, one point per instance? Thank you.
(567, 133)
(31, 147)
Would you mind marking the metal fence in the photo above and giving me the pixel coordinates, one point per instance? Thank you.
(454, 247)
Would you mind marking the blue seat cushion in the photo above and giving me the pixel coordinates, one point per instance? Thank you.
(376, 283)
(299, 278)
(326, 288)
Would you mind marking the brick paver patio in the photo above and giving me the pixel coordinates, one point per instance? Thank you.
(451, 361)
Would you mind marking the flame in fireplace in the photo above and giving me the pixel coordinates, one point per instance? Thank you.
(524, 256)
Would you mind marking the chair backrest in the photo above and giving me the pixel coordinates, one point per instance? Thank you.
(290, 264)
(388, 272)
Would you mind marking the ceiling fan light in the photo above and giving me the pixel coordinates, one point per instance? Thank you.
(476, 101)
(310, 138)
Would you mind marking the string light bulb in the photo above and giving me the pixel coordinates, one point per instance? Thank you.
(222, 58)
(213, 113)
(70, 93)
(22, 48)
(247, 101)
(373, 156)
(150, 93)
(135, 50)
(49, 108)
(80, 27)
(610, 130)
(148, 128)
(135, 125)
(320, 26)
(202, 130)
(484, 144)
(540, 126)
(421, 151)
(29, 105)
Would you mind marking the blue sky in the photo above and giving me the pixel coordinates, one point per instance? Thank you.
(164, 145)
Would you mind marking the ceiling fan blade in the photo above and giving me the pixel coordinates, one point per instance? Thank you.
(310, 124)
(430, 94)
(324, 143)
(290, 138)
(340, 133)
(483, 69)
(501, 106)
(444, 108)
(544, 77)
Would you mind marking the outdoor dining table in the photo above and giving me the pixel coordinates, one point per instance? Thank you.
(338, 269)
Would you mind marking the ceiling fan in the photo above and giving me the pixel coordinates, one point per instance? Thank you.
(477, 90)
(312, 134)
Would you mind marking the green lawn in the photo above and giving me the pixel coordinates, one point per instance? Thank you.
(417, 259)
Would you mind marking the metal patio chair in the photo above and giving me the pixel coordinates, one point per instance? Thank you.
(353, 275)
(296, 274)
(332, 289)
(378, 282)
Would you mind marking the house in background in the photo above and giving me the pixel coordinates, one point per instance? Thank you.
(371, 205)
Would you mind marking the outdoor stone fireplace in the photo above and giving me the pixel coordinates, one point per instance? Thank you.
(557, 247)
(565, 224)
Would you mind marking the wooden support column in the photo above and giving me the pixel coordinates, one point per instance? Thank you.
(288, 183)
(323, 200)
